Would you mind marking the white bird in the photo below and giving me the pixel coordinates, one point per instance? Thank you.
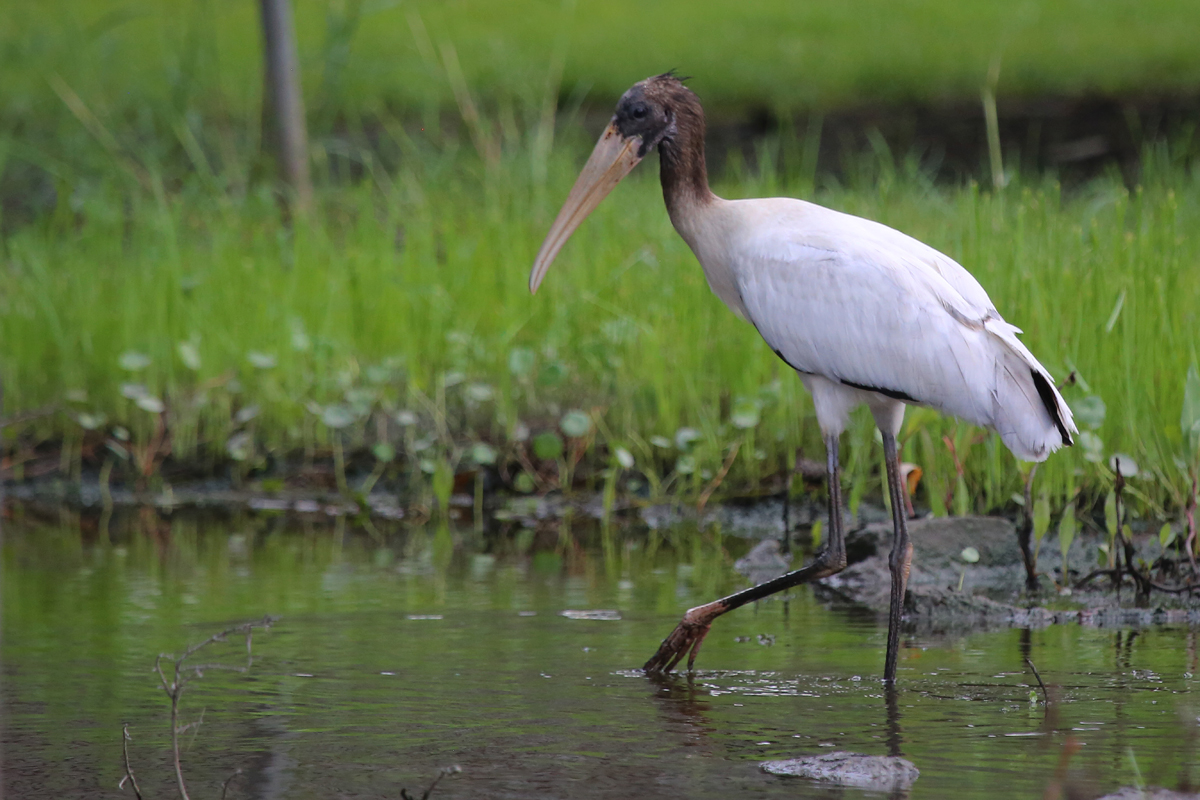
(863, 313)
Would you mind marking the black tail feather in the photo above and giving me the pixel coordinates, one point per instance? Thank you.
(1046, 392)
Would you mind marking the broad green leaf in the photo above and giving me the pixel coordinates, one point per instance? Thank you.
(1110, 514)
(1041, 517)
(1066, 530)
(962, 498)
(1166, 535)
(1189, 419)
(384, 452)
(443, 483)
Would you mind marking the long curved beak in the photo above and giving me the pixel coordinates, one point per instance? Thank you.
(611, 160)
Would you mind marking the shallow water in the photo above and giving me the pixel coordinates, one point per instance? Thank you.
(405, 651)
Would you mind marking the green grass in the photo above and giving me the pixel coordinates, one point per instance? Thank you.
(134, 59)
(407, 292)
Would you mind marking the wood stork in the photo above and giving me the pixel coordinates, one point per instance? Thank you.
(863, 313)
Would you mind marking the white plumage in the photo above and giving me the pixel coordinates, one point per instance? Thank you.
(852, 305)
(862, 312)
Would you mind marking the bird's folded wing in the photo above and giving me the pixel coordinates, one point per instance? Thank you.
(854, 307)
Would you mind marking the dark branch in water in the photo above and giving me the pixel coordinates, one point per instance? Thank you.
(451, 770)
(1045, 694)
(225, 785)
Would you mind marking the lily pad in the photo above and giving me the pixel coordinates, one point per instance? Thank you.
(261, 360)
(133, 361)
(575, 424)
(337, 416)
(547, 445)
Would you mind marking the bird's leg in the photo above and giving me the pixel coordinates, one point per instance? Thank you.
(900, 560)
(787, 509)
(690, 632)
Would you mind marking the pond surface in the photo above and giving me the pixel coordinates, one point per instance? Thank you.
(400, 652)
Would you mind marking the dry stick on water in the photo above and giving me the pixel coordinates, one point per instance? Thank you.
(720, 476)
(184, 673)
(125, 737)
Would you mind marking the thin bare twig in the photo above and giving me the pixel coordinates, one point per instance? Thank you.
(715, 483)
(129, 776)
(182, 674)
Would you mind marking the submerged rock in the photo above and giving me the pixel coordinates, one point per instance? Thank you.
(881, 773)
(764, 562)
(946, 591)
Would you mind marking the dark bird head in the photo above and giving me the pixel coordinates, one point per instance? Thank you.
(653, 113)
(652, 110)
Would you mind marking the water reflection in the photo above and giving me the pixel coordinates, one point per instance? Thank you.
(405, 650)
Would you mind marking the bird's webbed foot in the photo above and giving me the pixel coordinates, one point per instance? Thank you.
(685, 639)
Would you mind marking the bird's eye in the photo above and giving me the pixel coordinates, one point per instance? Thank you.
(639, 111)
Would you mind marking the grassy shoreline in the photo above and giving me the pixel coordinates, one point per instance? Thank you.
(396, 324)
(154, 296)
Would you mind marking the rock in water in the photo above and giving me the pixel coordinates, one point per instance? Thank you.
(763, 562)
(881, 773)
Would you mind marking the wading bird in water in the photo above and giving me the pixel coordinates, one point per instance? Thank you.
(863, 313)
